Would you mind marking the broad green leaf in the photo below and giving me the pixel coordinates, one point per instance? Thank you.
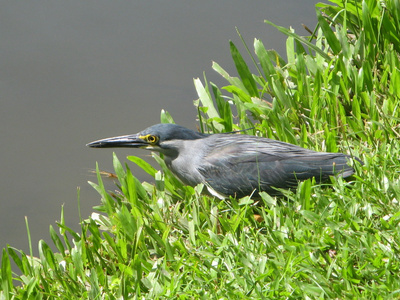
(263, 57)
(166, 117)
(244, 71)
(145, 166)
(17, 260)
(232, 80)
(206, 100)
(56, 240)
(239, 92)
(6, 275)
(305, 194)
(330, 36)
(119, 170)
(369, 28)
(223, 108)
(46, 255)
(130, 181)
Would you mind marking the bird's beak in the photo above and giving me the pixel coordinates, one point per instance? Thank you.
(130, 141)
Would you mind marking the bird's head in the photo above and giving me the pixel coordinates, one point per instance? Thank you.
(158, 137)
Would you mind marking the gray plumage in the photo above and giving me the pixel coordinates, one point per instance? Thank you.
(233, 164)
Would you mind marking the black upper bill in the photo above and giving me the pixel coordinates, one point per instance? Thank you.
(132, 140)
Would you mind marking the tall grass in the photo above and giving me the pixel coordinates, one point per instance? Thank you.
(337, 90)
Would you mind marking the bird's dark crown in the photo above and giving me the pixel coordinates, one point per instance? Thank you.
(166, 132)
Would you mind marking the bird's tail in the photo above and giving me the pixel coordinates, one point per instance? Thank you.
(340, 165)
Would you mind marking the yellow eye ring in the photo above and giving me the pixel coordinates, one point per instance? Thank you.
(152, 139)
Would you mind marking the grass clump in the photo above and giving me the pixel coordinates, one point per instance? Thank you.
(338, 90)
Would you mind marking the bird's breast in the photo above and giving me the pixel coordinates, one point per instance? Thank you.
(186, 163)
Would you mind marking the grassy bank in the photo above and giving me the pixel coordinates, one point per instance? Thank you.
(337, 90)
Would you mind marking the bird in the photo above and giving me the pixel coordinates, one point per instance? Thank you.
(234, 165)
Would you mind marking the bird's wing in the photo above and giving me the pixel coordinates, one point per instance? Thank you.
(240, 166)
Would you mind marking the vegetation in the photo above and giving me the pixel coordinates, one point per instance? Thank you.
(338, 90)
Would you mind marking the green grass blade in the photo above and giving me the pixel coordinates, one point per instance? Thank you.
(300, 39)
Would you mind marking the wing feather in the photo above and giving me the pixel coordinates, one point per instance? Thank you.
(240, 166)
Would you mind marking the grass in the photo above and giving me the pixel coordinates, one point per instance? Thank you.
(338, 90)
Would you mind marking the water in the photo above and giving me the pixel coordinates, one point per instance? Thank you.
(75, 71)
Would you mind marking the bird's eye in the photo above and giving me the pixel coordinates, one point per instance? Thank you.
(152, 139)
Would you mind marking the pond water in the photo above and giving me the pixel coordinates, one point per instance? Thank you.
(75, 71)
